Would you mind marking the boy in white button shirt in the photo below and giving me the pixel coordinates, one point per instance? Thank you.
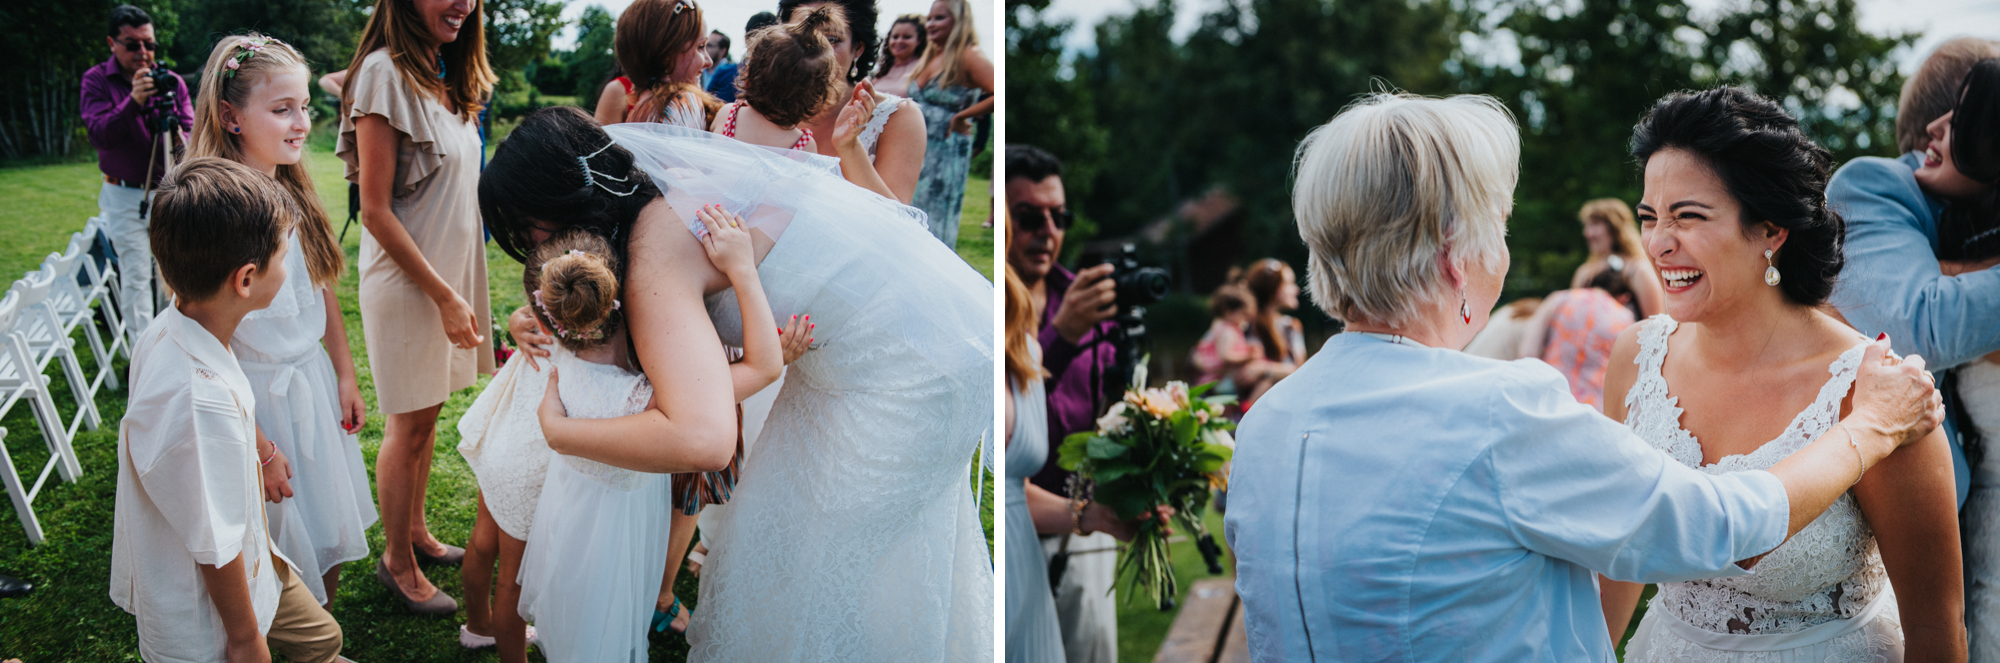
(191, 559)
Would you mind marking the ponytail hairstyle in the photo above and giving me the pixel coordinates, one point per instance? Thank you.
(574, 289)
(963, 37)
(861, 35)
(789, 74)
(1768, 165)
(923, 41)
(652, 37)
(1970, 227)
(1264, 279)
(397, 26)
(238, 63)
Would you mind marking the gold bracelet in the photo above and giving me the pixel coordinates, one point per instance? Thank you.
(1076, 508)
(1863, 458)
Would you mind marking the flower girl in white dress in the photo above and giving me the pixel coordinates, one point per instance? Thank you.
(599, 549)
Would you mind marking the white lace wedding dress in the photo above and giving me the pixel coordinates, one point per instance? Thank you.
(852, 534)
(1821, 596)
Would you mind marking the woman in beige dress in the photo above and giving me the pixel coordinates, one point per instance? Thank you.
(408, 135)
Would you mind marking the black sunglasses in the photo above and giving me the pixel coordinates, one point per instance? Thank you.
(1030, 216)
(135, 45)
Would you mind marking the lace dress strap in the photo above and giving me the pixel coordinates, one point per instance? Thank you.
(1651, 385)
(871, 133)
(1820, 417)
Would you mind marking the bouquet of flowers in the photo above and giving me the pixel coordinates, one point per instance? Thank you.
(1156, 447)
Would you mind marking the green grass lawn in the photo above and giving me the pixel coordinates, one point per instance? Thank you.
(70, 617)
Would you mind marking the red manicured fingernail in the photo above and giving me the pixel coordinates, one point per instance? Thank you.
(1881, 336)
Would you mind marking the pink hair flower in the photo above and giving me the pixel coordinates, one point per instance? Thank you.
(231, 64)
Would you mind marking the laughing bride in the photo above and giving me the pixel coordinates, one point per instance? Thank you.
(1742, 371)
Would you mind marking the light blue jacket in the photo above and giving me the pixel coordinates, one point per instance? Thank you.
(1891, 282)
(1403, 503)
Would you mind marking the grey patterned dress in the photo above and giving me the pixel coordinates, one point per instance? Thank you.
(947, 156)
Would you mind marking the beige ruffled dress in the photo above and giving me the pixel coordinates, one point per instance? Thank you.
(436, 197)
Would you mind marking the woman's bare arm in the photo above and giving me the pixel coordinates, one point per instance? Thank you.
(981, 70)
(375, 148)
(1909, 500)
(611, 104)
(1619, 599)
(694, 427)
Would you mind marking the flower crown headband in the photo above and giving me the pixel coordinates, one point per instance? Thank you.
(592, 334)
(250, 46)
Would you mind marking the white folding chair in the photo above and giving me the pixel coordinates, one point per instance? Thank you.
(42, 331)
(71, 299)
(18, 381)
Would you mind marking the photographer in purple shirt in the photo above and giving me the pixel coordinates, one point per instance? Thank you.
(124, 107)
(1075, 312)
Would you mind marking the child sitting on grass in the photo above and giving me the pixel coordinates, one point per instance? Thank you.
(191, 558)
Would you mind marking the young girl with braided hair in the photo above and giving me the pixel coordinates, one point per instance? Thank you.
(252, 110)
(601, 540)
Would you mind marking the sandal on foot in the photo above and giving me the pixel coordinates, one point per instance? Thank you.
(452, 556)
(665, 620)
(439, 603)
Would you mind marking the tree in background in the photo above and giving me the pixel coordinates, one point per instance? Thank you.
(517, 34)
(44, 49)
(1146, 122)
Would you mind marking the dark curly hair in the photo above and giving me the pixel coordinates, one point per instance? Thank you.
(861, 33)
(790, 74)
(1969, 229)
(534, 177)
(1772, 169)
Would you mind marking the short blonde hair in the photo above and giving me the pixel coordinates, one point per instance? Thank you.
(1391, 182)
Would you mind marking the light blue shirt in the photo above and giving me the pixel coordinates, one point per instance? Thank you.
(1891, 282)
(1403, 503)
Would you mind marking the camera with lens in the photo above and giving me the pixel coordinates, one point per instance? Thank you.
(1137, 285)
(166, 97)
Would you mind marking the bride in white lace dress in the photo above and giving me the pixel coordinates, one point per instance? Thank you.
(1742, 371)
(852, 533)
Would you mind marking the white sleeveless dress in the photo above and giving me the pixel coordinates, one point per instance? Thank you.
(593, 562)
(852, 534)
(1821, 596)
(325, 522)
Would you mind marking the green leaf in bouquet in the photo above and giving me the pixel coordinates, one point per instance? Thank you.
(1209, 461)
(1104, 447)
(1198, 390)
(1127, 503)
(1113, 471)
(1073, 450)
(1185, 428)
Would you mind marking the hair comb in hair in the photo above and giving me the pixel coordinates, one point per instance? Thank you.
(590, 176)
